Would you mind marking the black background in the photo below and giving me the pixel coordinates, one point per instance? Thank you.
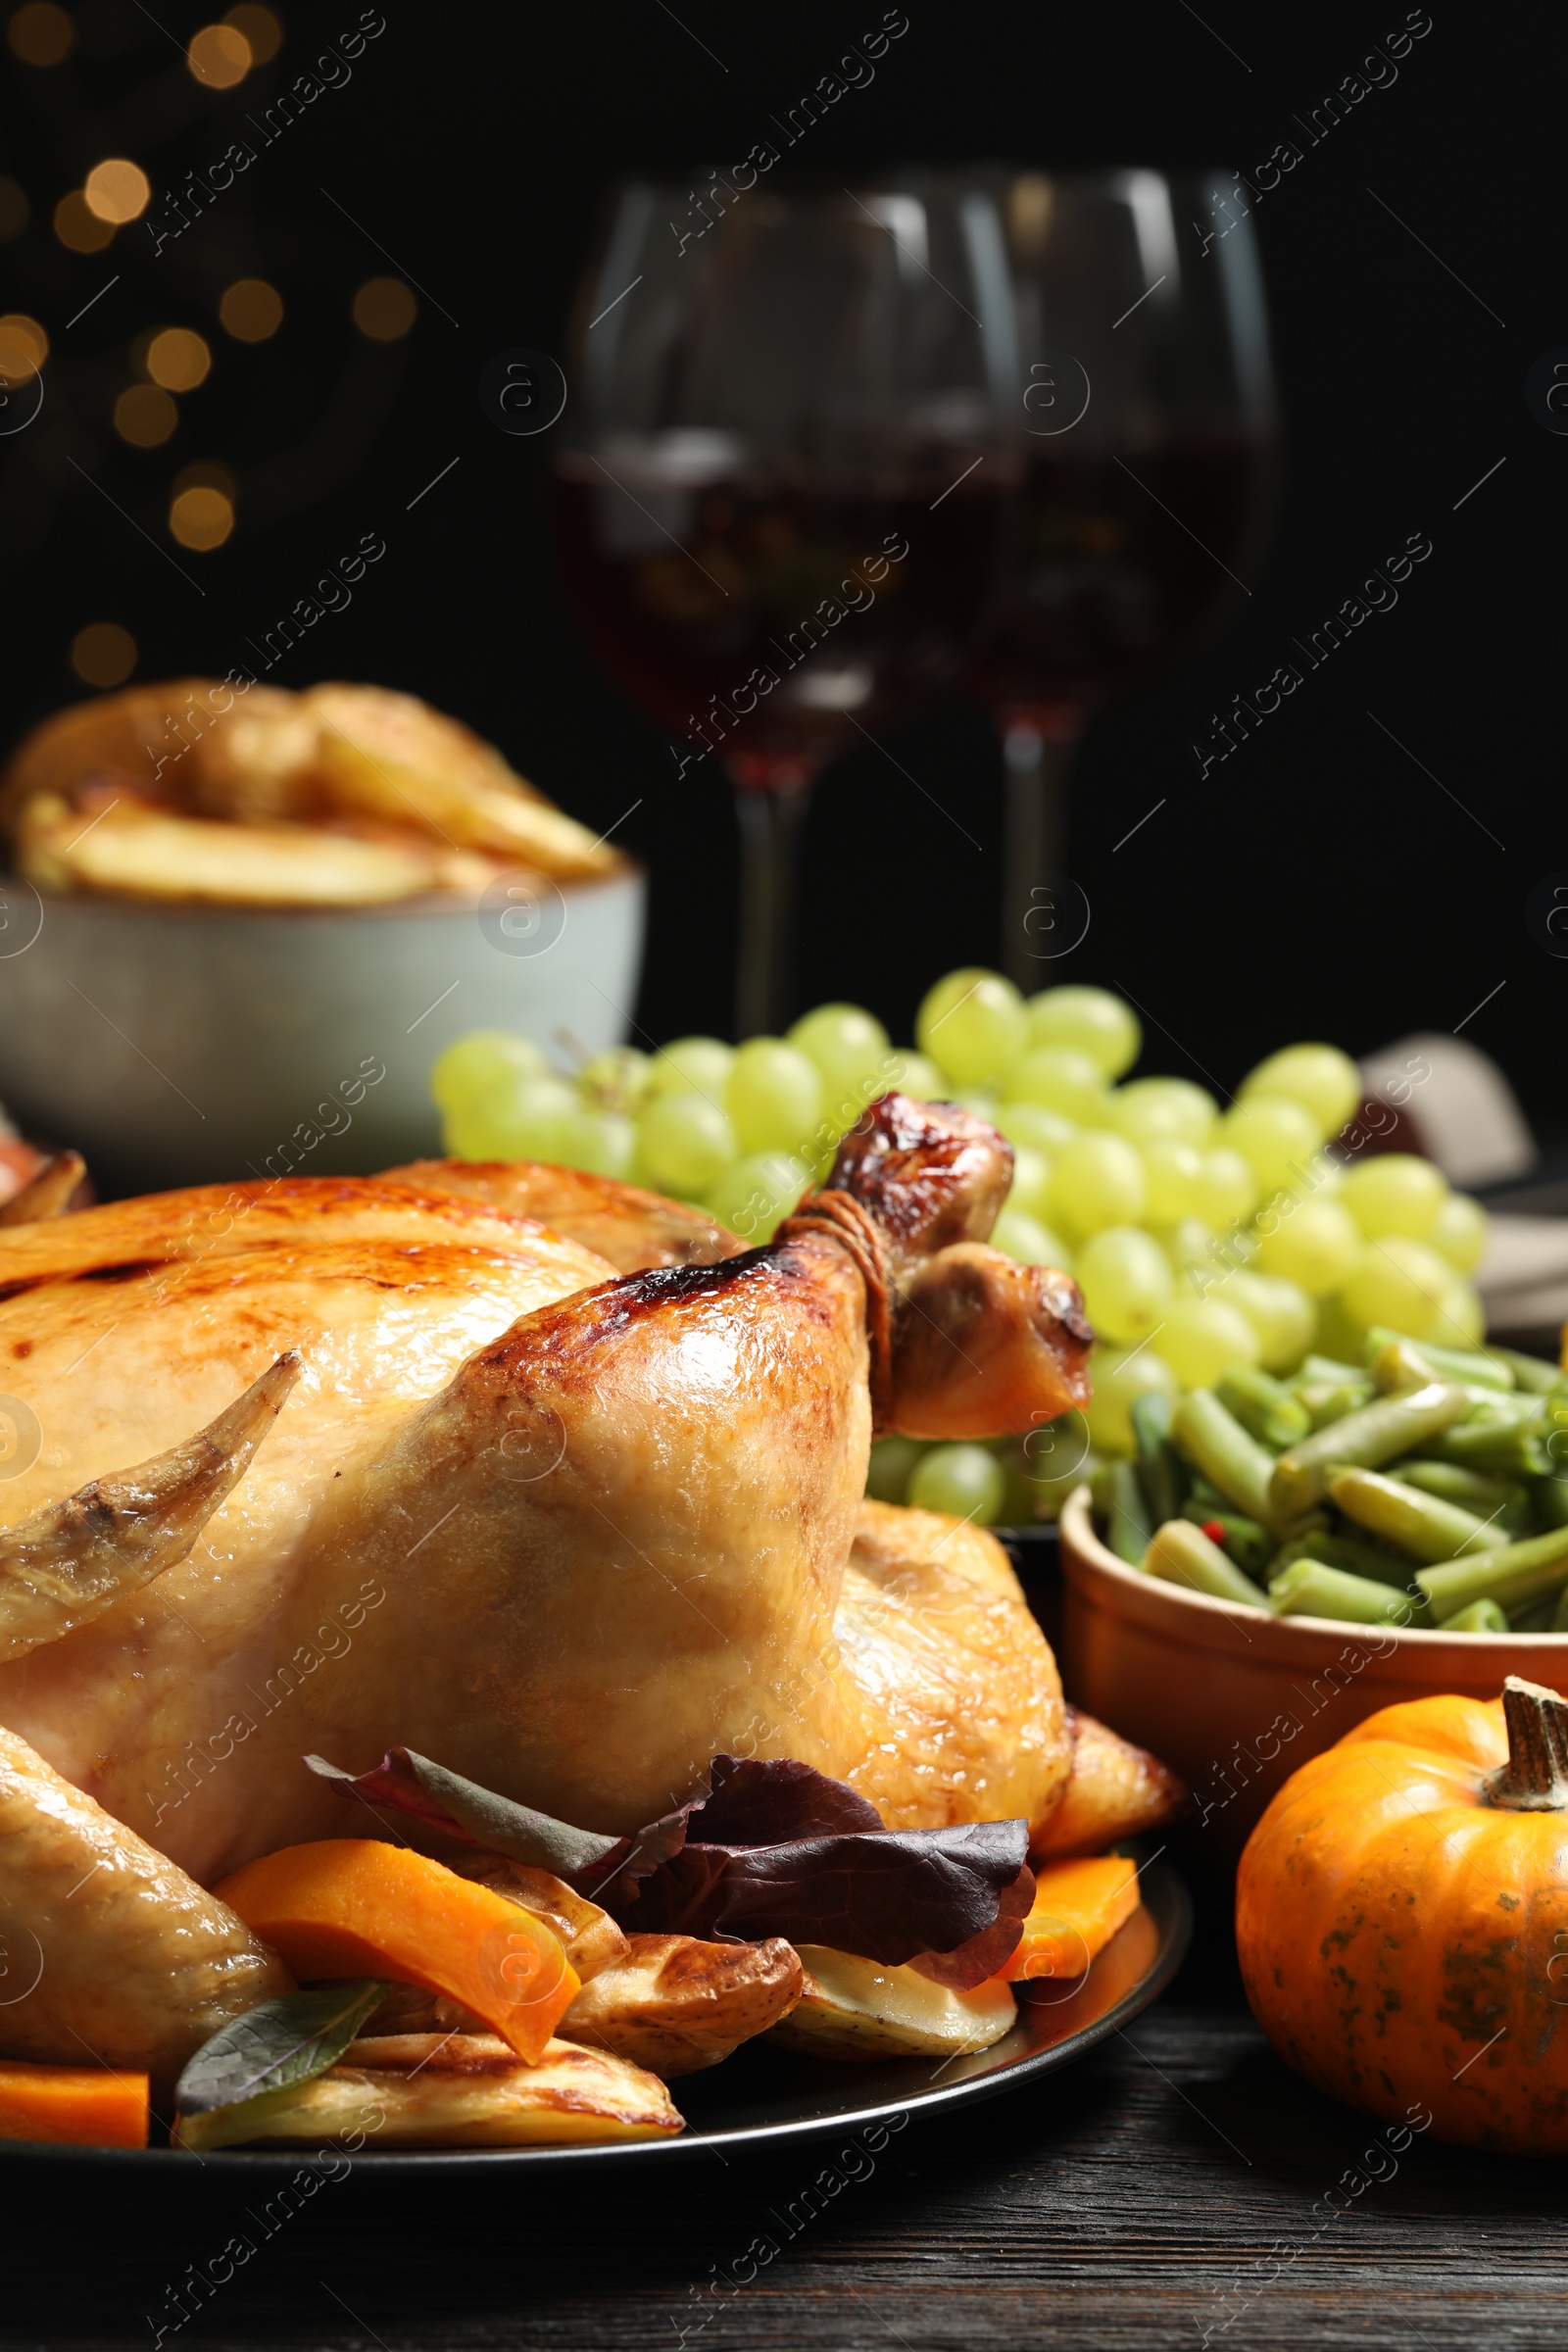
(1319, 882)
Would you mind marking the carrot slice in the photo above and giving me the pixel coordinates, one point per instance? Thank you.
(1078, 1907)
(85, 2105)
(355, 1908)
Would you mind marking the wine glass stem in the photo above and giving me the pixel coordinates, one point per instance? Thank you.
(771, 822)
(1038, 762)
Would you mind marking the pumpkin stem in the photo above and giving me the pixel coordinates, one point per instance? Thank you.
(1535, 1779)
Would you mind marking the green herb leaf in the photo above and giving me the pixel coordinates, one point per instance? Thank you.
(276, 2046)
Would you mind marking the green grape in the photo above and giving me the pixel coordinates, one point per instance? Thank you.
(1460, 1232)
(1031, 1182)
(965, 1481)
(685, 1143)
(774, 1096)
(1097, 1181)
(1461, 1318)
(1322, 1079)
(1281, 1315)
(1126, 1281)
(698, 1066)
(485, 1062)
(525, 1121)
(1031, 1123)
(1337, 1337)
(1174, 1175)
(917, 1075)
(977, 1099)
(619, 1080)
(1151, 1111)
(1395, 1192)
(1121, 1376)
(754, 1197)
(1226, 1190)
(1019, 1235)
(604, 1142)
(972, 1025)
(850, 1053)
(1275, 1137)
(887, 1475)
(1090, 1019)
(1061, 1079)
(1399, 1282)
(1315, 1243)
(1200, 1337)
(1185, 1244)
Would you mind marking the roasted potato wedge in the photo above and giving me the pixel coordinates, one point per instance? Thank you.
(1115, 1790)
(854, 2008)
(132, 851)
(451, 2090)
(591, 1937)
(675, 2004)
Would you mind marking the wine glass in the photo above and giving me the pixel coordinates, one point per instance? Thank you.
(1146, 412)
(780, 496)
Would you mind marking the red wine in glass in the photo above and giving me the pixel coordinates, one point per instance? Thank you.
(781, 505)
(1147, 423)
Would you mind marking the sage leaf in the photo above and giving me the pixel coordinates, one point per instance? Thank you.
(276, 2046)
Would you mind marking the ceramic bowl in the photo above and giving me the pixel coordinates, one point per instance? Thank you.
(179, 1045)
(1235, 1697)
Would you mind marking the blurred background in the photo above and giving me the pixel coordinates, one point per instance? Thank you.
(297, 365)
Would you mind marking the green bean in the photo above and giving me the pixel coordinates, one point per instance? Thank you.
(1225, 1453)
(1513, 1447)
(1468, 1365)
(1182, 1555)
(1550, 1499)
(1481, 1617)
(1531, 1372)
(1312, 1588)
(1324, 1405)
(1119, 1500)
(1379, 1433)
(1161, 1472)
(1243, 1539)
(1353, 1552)
(1264, 1407)
(1320, 1371)
(1559, 1615)
(1422, 1525)
(1513, 1577)
(1471, 1488)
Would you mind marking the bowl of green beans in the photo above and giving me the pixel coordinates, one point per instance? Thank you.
(1282, 1558)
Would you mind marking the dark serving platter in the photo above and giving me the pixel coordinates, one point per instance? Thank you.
(764, 2095)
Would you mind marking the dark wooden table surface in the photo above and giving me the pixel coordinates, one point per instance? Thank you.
(1169, 2190)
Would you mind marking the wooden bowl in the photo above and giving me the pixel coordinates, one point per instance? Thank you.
(1235, 1697)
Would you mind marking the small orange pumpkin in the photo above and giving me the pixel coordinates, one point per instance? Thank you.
(1402, 1917)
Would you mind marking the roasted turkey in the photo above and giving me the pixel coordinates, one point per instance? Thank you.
(324, 1466)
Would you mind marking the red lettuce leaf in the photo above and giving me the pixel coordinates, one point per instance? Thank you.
(766, 1848)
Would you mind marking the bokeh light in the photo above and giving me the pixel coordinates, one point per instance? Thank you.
(103, 654)
(251, 310)
(15, 209)
(179, 360)
(219, 56)
(261, 31)
(144, 416)
(116, 190)
(41, 33)
(385, 309)
(23, 347)
(77, 226)
(201, 518)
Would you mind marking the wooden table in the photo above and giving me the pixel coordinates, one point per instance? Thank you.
(1166, 2193)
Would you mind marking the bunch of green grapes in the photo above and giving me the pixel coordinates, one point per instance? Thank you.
(1201, 1237)
(740, 1131)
